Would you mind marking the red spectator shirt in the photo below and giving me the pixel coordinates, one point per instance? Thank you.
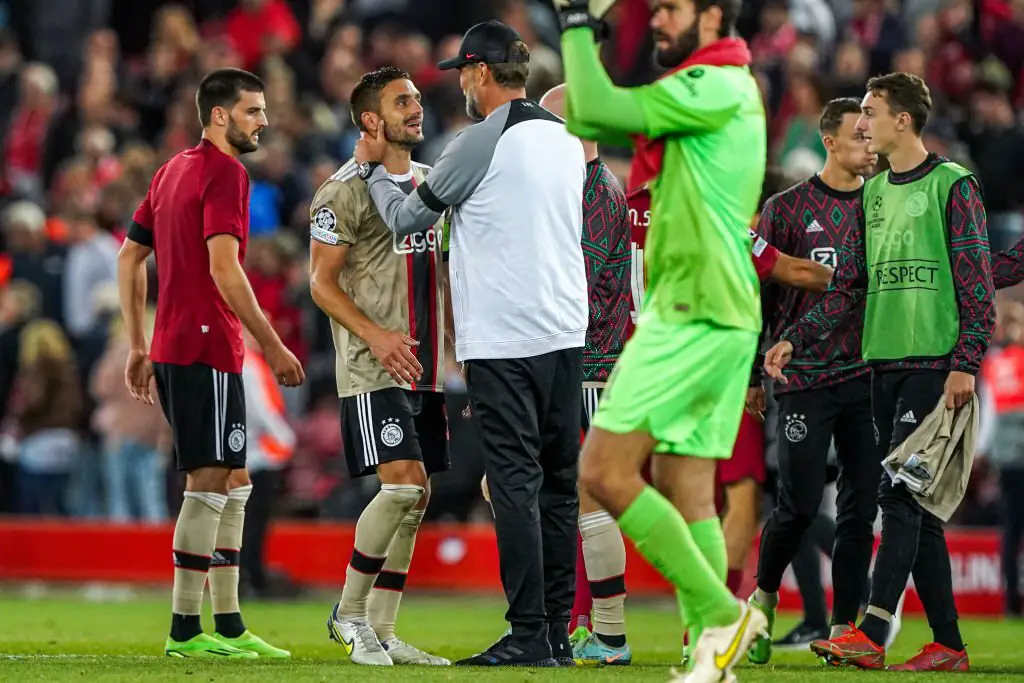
(638, 201)
(249, 30)
(199, 193)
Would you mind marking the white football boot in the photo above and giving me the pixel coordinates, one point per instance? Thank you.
(402, 652)
(358, 639)
(720, 647)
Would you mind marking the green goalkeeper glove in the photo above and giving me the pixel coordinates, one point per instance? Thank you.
(575, 13)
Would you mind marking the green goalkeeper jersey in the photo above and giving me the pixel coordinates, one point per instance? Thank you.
(707, 123)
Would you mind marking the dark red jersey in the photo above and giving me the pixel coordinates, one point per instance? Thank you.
(199, 193)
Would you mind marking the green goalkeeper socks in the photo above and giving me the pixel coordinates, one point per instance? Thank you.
(709, 539)
(707, 536)
(663, 538)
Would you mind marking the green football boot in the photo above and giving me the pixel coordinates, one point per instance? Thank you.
(206, 646)
(760, 651)
(253, 643)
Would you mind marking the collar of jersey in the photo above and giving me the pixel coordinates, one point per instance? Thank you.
(723, 52)
(401, 178)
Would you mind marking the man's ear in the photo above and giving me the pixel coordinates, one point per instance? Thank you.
(711, 19)
(219, 116)
(370, 121)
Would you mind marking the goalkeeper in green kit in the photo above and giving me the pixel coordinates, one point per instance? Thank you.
(678, 389)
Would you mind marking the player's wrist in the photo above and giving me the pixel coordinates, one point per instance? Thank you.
(369, 331)
(268, 339)
(138, 347)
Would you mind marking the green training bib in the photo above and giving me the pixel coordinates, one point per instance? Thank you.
(911, 309)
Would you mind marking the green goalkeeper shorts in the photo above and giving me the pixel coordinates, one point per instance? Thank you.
(684, 384)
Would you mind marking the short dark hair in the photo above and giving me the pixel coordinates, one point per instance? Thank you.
(223, 88)
(906, 94)
(366, 95)
(833, 113)
(514, 74)
(730, 13)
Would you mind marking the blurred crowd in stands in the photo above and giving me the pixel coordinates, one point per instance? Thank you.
(96, 94)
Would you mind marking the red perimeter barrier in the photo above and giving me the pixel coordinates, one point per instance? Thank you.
(449, 557)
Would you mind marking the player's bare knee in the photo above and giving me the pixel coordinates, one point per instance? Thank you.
(587, 502)
(608, 457)
(595, 477)
(425, 498)
(208, 480)
(238, 478)
(403, 473)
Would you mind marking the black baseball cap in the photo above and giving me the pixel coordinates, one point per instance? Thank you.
(487, 43)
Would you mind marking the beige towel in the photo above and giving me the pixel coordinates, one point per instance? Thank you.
(935, 461)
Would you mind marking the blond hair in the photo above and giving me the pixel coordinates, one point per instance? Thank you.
(24, 213)
(43, 340)
(42, 76)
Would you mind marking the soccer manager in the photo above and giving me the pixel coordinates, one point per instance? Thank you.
(514, 184)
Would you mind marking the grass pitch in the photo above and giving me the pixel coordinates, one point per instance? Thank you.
(70, 639)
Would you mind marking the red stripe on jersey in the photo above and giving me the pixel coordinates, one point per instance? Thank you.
(409, 271)
(432, 317)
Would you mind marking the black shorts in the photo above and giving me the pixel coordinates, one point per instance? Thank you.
(394, 424)
(591, 398)
(206, 410)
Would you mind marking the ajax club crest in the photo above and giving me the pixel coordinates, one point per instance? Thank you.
(796, 428)
(236, 439)
(391, 434)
